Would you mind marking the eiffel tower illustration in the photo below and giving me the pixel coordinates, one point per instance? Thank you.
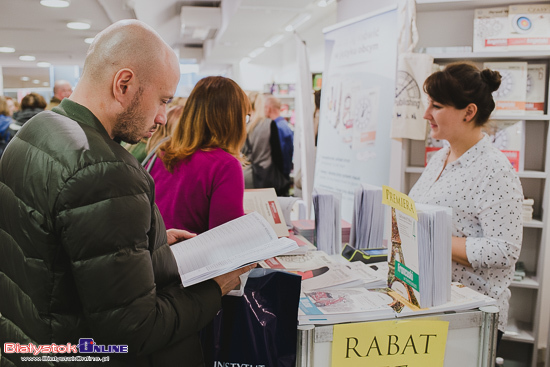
(397, 254)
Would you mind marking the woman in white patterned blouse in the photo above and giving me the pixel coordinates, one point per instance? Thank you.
(475, 179)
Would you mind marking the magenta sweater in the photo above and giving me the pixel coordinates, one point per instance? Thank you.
(204, 191)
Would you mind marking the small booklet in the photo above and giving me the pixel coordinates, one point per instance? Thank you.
(265, 202)
(225, 248)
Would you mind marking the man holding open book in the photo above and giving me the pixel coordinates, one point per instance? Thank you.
(85, 257)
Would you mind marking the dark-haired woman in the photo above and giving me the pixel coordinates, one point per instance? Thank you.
(475, 179)
(199, 180)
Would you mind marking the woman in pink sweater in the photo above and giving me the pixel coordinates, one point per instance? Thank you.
(199, 180)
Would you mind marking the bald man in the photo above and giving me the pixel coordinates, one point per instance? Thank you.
(84, 253)
(61, 89)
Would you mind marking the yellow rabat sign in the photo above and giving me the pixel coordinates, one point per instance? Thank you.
(395, 343)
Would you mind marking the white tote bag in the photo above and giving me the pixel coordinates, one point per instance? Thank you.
(412, 71)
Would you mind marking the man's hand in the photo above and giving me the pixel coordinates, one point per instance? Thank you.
(177, 235)
(231, 280)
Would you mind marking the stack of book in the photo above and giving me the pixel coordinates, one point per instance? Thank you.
(305, 228)
(346, 230)
(519, 273)
(319, 270)
(324, 306)
(527, 211)
(328, 224)
(367, 229)
(420, 250)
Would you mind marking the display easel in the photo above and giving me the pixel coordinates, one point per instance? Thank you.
(471, 340)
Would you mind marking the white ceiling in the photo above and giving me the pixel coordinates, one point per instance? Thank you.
(245, 25)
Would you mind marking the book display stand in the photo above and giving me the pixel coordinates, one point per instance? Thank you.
(473, 331)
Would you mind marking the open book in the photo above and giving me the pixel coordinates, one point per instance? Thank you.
(230, 246)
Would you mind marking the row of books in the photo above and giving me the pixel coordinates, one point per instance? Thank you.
(280, 89)
(507, 135)
(527, 209)
(509, 28)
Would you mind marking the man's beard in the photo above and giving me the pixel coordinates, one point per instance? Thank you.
(130, 122)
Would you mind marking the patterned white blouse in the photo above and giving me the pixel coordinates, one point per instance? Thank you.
(486, 197)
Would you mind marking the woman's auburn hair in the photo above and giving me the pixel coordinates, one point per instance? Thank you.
(213, 117)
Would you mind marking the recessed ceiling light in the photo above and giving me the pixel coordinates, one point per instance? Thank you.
(256, 52)
(55, 3)
(78, 25)
(46, 84)
(7, 49)
(25, 78)
(36, 81)
(298, 21)
(89, 40)
(43, 64)
(273, 40)
(27, 58)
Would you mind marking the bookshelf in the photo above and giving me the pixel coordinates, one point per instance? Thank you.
(528, 324)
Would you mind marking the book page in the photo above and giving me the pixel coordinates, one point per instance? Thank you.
(240, 235)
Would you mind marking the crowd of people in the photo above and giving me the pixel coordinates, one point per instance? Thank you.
(84, 245)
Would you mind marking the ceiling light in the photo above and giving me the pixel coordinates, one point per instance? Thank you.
(245, 60)
(89, 40)
(324, 3)
(256, 52)
(36, 81)
(78, 25)
(273, 40)
(301, 19)
(25, 78)
(46, 84)
(7, 49)
(27, 58)
(55, 3)
(43, 64)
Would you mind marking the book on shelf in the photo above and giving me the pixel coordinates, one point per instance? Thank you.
(536, 83)
(328, 225)
(508, 137)
(511, 95)
(367, 227)
(333, 306)
(491, 29)
(419, 249)
(530, 27)
(232, 245)
(527, 210)
(265, 202)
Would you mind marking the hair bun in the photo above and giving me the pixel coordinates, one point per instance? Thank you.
(492, 78)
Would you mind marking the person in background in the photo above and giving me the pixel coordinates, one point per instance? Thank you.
(31, 104)
(84, 252)
(5, 122)
(198, 177)
(272, 109)
(261, 149)
(316, 114)
(61, 89)
(12, 106)
(475, 179)
(173, 117)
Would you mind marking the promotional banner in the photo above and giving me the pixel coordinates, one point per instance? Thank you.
(356, 105)
(304, 141)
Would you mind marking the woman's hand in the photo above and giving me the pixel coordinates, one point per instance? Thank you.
(178, 235)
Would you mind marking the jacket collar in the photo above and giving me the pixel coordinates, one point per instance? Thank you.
(80, 114)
